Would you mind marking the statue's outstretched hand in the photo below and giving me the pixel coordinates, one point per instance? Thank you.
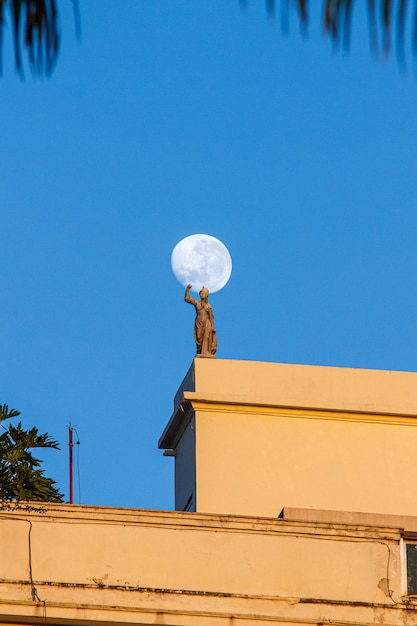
(189, 286)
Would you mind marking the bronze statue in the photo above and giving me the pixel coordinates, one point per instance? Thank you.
(204, 331)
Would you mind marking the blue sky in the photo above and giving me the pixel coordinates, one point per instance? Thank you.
(174, 118)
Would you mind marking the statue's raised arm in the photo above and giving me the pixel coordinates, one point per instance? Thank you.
(187, 296)
(204, 331)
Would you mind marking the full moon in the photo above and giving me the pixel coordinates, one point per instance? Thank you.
(203, 261)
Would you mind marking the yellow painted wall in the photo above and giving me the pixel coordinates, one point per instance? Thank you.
(272, 435)
(312, 386)
(251, 439)
(130, 566)
(256, 463)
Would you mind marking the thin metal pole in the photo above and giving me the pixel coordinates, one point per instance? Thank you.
(70, 444)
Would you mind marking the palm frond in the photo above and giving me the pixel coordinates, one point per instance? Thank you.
(21, 477)
(387, 21)
(35, 28)
(6, 413)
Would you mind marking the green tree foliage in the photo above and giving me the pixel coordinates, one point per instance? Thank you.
(20, 475)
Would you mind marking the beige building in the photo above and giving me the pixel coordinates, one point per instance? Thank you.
(295, 498)
(251, 438)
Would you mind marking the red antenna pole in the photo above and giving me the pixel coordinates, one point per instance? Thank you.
(71, 445)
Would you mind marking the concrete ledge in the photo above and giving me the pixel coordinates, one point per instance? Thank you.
(309, 386)
(406, 522)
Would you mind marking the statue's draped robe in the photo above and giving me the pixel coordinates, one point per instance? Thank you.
(204, 334)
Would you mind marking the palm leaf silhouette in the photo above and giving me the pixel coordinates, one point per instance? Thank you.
(34, 24)
(387, 20)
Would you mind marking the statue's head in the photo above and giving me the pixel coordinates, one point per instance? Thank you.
(204, 292)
